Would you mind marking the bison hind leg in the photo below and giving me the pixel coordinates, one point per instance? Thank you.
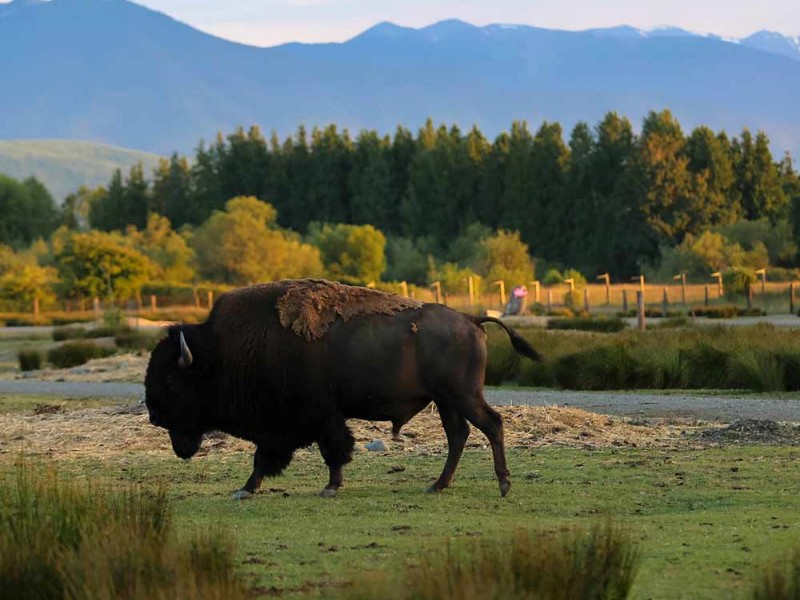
(336, 443)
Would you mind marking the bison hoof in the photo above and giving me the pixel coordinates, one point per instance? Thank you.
(328, 493)
(242, 495)
(433, 490)
(505, 486)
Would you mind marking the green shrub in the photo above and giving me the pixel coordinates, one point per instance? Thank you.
(64, 540)
(588, 324)
(68, 333)
(597, 368)
(137, 340)
(503, 361)
(561, 311)
(736, 281)
(599, 564)
(25, 321)
(113, 318)
(671, 323)
(104, 331)
(72, 354)
(29, 359)
(716, 311)
(69, 318)
(755, 369)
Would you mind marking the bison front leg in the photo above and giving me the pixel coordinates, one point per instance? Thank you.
(336, 446)
(266, 463)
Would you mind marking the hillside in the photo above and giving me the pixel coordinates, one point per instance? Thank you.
(64, 165)
(160, 85)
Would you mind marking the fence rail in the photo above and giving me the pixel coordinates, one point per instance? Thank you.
(773, 297)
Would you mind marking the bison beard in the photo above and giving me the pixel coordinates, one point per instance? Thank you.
(266, 368)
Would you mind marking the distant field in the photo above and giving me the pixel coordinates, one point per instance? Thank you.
(65, 165)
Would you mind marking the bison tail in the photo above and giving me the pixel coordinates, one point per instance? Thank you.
(517, 341)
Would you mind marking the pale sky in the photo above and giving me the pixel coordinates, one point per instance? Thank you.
(272, 22)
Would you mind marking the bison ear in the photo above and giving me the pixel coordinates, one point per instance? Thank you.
(186, 355)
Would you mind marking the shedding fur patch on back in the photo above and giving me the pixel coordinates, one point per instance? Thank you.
(309, 306)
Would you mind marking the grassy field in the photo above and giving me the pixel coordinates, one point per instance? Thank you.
(705, 518)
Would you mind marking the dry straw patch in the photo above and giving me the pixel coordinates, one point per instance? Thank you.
(115, 432)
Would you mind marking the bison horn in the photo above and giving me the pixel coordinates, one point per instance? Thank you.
(186, 355)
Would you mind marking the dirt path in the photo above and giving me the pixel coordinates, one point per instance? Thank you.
(725, 408)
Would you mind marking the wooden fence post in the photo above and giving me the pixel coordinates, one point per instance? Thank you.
(640, 310)
(96, 306)
(665, 303)
(549, 300)
(210, 299)
(153, 303)
(791, 297)
(586, 299)
(624, 301)
(36, 308)
(706, 300)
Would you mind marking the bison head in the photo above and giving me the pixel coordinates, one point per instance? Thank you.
(176, 385)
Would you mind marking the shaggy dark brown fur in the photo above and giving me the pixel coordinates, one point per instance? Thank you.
(309, 306)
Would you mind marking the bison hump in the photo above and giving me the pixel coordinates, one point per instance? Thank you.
(309, 306)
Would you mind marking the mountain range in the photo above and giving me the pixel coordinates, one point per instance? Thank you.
(115, 72)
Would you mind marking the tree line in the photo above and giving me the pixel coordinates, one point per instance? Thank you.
(606, 198)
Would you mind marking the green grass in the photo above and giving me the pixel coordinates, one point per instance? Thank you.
(704, 520)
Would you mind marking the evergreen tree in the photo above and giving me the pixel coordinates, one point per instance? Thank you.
(711, 166)
(172, 191)
(370, 188)
(136, 200)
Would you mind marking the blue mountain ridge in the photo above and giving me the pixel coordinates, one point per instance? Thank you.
(115, 72)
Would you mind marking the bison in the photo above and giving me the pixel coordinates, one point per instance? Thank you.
(285, 375)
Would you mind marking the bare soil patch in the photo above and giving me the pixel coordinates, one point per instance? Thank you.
(753, 431)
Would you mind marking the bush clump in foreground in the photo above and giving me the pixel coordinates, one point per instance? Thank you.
(29, 360)
(137, 340)
(68, 333)
(63, 540)
(780, 581)
(72, 354)
(600, 564)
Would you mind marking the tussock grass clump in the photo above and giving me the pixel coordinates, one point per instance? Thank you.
(61, 540)
(759, 358)
(137, 340)
(68, 333)
(104, 331)
(503, 365)
(600, 564)
(29, 360)
(72, 354)
(588, 324)
(780, 581)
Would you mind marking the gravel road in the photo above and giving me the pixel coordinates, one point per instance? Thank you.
(725, 408)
